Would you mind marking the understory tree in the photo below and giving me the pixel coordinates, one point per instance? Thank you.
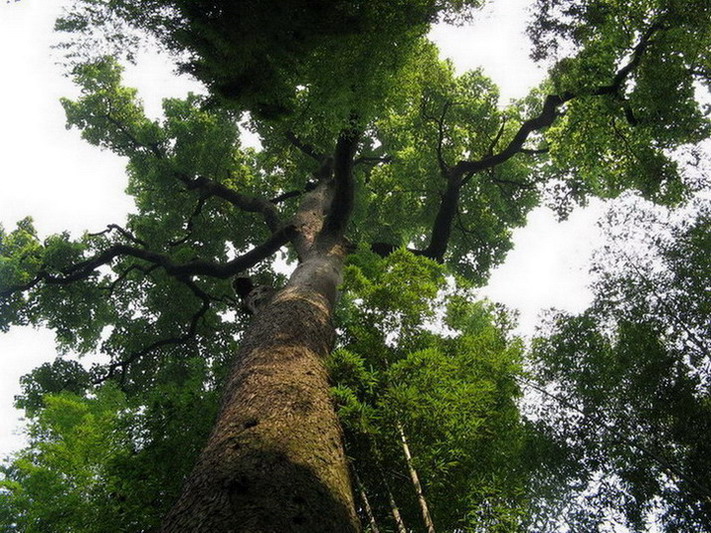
(368, 141)
(425, 380)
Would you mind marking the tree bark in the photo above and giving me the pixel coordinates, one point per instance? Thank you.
(275, 462)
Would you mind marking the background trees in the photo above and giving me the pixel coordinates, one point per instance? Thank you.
(394, 150)
(627, 398)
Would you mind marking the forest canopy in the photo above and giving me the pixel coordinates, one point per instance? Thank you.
(365, 387)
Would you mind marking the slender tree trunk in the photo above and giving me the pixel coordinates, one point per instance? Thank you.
(366, 503)
(275, 461)
(395, 510)
(424, 508)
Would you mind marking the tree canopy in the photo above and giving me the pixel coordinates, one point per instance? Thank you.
(627, 395)
(387, 177)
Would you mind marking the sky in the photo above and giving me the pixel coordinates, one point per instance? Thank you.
(48, 172)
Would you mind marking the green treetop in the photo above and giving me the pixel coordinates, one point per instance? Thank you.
(368, 140)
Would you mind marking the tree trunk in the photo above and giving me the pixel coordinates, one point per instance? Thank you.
(275, 461)
(395, 510)
(424, 508)
(366, 503)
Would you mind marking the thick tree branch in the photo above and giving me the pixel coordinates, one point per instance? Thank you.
(442, 227)
(85, 269)
(168, 341)
(286, 196)
(324, 212)
(305, 148)
(544, 119)
(553, 101)
(459, 175)
(208, 186)
(635, 59)
(343, 195)
(250, 204)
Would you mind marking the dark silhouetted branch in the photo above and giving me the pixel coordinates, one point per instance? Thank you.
(190, 224)
(310, 186)
(497, 138)
(443, 167)
(342, 202)
(168, 341)
(373, 160)
(305, 148)
(207, 186)
(85, 269)
(250, 204)
(459, 175)
(123, 232)
(123, 275)
(154, 148)
(551, 104)
(544, 119)
(384, 249)
(534, 151)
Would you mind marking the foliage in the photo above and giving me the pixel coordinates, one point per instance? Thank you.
(136, 305)
(101, 456)
(447, 381)
(428, 124)
(125, 311)
(102, 453)
(53, 486)
(609, 143)
(265, 56)
(439, 167)
(630, 376)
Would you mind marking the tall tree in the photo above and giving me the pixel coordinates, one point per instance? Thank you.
(368, 139)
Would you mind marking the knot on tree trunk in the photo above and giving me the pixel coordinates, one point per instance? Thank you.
(254, 297)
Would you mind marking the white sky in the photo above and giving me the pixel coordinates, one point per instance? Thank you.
(66, 184)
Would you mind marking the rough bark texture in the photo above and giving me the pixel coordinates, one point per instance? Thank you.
(274, 462)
